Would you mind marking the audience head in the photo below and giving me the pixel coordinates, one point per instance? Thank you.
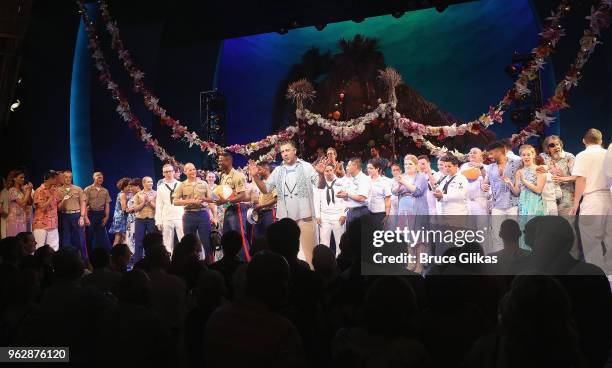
(11, 250)
(152, 239)
(284, 238)
(158, 257)
(99, 258)
(592, 136)
(390, 307)
(231, 242)
(188, 248)
(120, 257)
(44, 255)
(27, 241)
(211, 289)
(67, 264)
(268, 278)
(536, 323)
(549, 236)
(510, 231)
(324, 261)
(134, 288)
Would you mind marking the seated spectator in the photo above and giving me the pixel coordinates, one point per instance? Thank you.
(102, 277)
(209, 295)
(186, 260)
(120, 257)
(231, 242)
(149, 240)
(249, 333)
(384, 339)
(168, 293)
(27, 241)
(535, 329)
(67, 307)
(511, 257)
(132, 334)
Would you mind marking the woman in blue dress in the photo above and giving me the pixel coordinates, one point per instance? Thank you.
(528, 186)
(135, 187)
(411, 189)
(118, 227)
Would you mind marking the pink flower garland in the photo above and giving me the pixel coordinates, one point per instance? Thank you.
(123, 107)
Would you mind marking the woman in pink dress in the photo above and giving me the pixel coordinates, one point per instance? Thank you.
(20, 199)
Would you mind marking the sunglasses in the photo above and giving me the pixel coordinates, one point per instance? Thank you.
(552, 145)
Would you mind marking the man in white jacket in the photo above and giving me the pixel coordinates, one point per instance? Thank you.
(168, 217)
(452, 191)
(330, 211)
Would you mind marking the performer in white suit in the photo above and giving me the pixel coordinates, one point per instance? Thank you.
(168, 217)
(330, 211)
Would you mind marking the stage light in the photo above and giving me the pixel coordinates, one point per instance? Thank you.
(283, 30)
(320, 26)
(398, 14)
(15, 105)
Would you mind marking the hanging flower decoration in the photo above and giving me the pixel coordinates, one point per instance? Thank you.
(123, 107)
(598, 21)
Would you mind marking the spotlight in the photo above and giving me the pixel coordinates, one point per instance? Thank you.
(398, 14)
(283, 30)
(320, 26)
(15, 105)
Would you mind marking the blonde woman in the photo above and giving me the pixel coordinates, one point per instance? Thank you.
(411, 188)
(528, 184)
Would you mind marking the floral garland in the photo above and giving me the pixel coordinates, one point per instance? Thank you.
(123, 107)
(179, 131)
(347, 130)
(598, 20)
(551, 34)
